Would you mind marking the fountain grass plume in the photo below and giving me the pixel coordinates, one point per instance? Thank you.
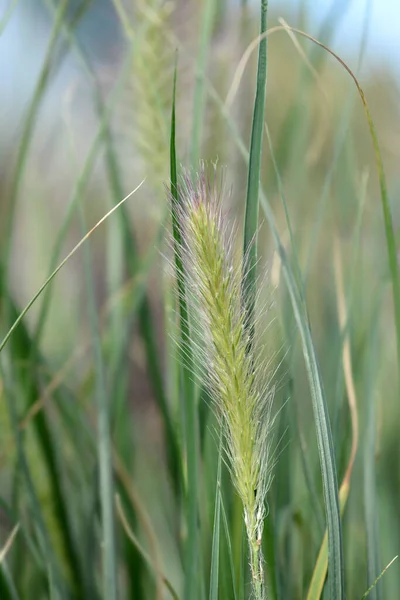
(231, 367)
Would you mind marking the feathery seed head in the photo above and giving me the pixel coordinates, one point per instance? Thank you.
(232, 368)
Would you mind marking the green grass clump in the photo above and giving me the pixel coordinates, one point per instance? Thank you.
(137, 457)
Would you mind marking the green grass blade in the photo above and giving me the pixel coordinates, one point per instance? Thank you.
(52, 464)
(370, 489)
(52, 588)
(209, 11)
(243, 568)
(253, 180)
(9, 378)
(319, 573)
(230, 552)
(270, 555)
(369, 590)
(106, 483)
(187, 392)
(214, 577)
(8, 589)
(173, 165)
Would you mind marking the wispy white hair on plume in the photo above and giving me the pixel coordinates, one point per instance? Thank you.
(232, 368)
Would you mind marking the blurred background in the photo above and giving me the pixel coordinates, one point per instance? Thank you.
(65, 122)
(85, 104)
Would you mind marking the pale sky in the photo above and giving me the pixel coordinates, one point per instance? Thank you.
(384, 26)
(23, 41)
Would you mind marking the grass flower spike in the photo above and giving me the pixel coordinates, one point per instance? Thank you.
(232, 368)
